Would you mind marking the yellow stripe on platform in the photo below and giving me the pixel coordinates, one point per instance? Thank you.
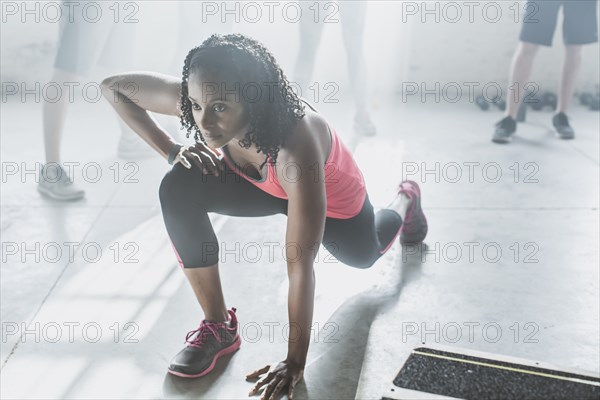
(483, 364)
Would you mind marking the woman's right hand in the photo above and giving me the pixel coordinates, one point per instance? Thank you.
(201, 156)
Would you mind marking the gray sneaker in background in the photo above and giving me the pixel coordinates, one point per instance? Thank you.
(55, 183)
(561, 124)
(505, 128)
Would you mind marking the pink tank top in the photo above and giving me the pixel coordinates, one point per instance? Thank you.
(344, 182)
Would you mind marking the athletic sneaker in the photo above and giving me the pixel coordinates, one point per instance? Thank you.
(414, 227)
(205, 345)
(561, 124)
(504, 130)
(55, 183)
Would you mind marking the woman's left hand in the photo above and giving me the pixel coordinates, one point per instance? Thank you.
(285, 374)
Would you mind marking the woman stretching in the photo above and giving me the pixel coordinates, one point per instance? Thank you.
(259, 151)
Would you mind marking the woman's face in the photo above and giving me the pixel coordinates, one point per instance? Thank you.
(217, 108)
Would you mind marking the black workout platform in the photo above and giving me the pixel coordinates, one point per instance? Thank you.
(443, 373)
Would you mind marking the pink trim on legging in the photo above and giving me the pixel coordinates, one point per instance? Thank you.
(392, 241)
(177, 254)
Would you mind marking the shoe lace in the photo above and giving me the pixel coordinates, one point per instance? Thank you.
(201, 334)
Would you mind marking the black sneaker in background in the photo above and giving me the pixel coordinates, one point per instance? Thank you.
(504, 130)
(561, 124)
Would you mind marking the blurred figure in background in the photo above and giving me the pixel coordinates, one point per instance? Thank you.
(352, 15)
(192, 33)
(579, 27)
(197, 20)
(84, 43)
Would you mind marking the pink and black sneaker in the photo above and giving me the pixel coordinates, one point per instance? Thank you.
(204, 347)
(414, 226)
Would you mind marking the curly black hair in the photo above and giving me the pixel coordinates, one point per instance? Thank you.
(246, 61)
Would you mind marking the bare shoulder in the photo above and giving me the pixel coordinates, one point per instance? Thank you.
(310, 141)
(306, 150)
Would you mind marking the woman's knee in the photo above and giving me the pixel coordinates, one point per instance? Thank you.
(527, 49)
(168, 188)
(573, 54)
(178, 187)
(361, 260)
(364, 264)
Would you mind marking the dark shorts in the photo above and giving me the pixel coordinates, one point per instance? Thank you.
(580, 24)
(83, 44)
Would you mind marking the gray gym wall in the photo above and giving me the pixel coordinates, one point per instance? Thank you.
(399, 46)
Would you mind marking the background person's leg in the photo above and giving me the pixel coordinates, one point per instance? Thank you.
(539, 24)
(353, 14)
(310, 37)
(54, 115)
(570, 69)
(79, 48)
(580, 27)
(78, 51)
(118, 56)
(197, 21)
(520, 71)
(54, 180)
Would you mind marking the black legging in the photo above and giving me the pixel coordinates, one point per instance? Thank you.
(187, 195)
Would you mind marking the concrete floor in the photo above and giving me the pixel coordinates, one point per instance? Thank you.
(510, 267)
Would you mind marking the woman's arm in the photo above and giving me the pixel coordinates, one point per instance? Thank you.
(307, 206)
(133, 94)
(305, 225)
